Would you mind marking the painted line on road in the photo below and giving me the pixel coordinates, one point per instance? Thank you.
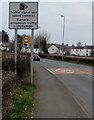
(70, 71)
(88, 71)
(50, 71)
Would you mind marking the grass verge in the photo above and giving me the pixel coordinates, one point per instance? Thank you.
(22, 102)
(81, 63)
(76, 62)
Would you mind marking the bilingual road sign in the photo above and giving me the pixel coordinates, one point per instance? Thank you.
(23, 15)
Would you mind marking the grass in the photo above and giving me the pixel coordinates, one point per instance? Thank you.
(81, 63)
(76, 62)
(22, 102)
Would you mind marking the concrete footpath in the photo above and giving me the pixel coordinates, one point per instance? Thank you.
(52, 98)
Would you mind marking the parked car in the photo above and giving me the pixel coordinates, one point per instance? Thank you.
(36, 57)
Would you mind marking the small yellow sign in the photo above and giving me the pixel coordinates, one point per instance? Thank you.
(26, 41)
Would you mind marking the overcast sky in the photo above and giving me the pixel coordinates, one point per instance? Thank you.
(78, 21)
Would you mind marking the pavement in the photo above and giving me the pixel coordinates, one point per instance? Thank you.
(52, 98)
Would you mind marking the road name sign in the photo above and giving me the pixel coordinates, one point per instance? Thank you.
(23, 15)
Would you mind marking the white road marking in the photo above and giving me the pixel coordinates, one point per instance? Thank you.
(65, 71)
(50, 71)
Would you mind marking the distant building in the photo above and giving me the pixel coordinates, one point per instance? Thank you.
(53, 50)
(35, 50)
(4, 46)
(81, 50)
(58, 49)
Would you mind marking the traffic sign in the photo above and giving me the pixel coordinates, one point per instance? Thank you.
(26, 41)
(23, 15)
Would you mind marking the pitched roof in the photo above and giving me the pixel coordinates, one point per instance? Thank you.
(57, 45)
(83, 47)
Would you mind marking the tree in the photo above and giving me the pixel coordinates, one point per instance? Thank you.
(4, 36)
(43, 45)
(41, 42)
(19, 43)
(92, 53)
(11, 46)
(79, 43)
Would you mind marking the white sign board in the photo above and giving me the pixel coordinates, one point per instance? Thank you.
(23, 15)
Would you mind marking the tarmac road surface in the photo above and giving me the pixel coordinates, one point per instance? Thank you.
(64, 90)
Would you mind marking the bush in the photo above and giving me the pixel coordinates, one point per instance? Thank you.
(9, 82)
(10, 78)
(22, 67)
(52, 56)
(8, 64)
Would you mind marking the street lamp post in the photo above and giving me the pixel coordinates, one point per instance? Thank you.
(63, 36)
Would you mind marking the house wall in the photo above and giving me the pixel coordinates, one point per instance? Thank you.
(53, 49)
(87, 52)
(81, 52)
(35, 50)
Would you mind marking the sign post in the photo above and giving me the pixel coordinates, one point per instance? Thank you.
(15, 52)
(31, 64)
(24, 15)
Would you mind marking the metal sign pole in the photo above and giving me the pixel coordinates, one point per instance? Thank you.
(31, 61)
(15, 52)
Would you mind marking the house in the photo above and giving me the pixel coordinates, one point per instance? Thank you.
(53, 50)
(4, 46)
(35, 50)
(58, 49)
(71, 50)
(81, 50)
